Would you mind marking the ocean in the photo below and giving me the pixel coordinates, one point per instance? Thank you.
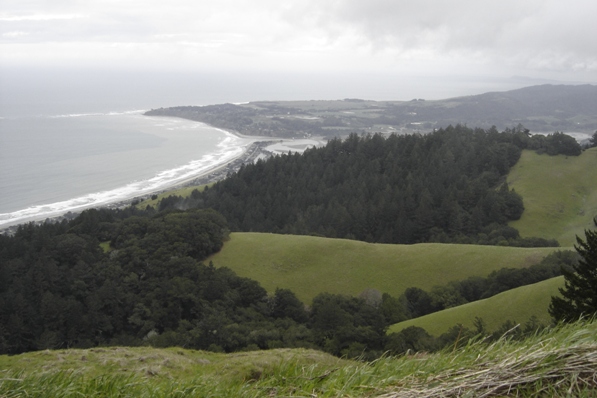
(54, 164)
(70, 147)
(72, 139)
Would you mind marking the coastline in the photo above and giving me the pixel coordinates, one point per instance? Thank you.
(255, 148)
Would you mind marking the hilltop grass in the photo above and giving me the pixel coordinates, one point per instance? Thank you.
(556, 363)
(310, 265)
(559, 193)
(145, 371)
(517, 305)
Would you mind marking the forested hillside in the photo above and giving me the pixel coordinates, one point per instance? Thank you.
(447, 186)
(135, 277)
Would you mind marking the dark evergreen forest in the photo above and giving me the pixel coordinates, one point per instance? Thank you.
(447, 186)
(136, 277)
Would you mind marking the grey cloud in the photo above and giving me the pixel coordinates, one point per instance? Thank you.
(528, 34)
(553, 30)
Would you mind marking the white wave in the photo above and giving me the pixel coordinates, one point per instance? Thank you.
(68, 115)
(229, 148)
(136, 111)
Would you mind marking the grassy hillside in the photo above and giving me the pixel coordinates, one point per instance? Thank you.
(559, 193)
(517, 305)
(310, 265)
(557, 364)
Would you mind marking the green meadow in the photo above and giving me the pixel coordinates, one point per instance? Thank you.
(559, 193)
(310, 265)
(517, 305)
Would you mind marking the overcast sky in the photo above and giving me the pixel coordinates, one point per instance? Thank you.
(534, 38)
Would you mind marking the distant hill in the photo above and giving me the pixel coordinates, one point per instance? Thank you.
(310, 265)
(544, 108)
(517, 305)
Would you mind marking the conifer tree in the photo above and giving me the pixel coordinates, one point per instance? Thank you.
(579, 295)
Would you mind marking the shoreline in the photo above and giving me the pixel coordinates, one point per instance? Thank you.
(255, 148)
(211, 174)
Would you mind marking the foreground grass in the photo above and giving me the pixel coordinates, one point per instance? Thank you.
(517, 305)
(562, 362)
(559, 193)
(309, 265)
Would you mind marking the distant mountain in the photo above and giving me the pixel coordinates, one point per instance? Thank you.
(543, 108)
(539, 108)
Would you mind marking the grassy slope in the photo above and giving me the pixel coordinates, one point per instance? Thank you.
(517, 305)
(559, 363)
(310, 265)
(559, 192)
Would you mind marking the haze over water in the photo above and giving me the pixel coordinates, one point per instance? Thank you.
(71, 140)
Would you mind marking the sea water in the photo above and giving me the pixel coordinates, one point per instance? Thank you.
(60, 152)
(54, 164)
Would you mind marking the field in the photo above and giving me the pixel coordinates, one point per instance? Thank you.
(559, 363)
(516, 305)
(310, 265)
(559, 193)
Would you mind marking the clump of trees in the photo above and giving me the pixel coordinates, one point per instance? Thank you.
(593, 140)
(59, 288)
(554, 144)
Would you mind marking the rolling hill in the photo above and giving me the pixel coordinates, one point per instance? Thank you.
(517, 305)
(310, 265)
